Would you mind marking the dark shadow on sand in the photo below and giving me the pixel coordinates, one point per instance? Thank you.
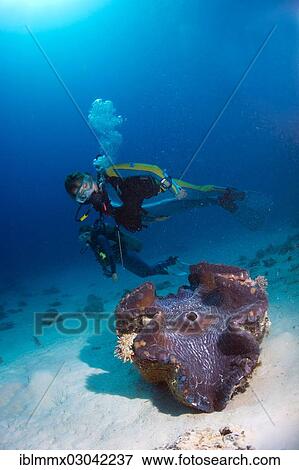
(124, 379)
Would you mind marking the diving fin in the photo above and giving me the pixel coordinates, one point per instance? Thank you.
(248, 207)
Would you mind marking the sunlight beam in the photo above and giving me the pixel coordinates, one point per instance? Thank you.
(45, 13)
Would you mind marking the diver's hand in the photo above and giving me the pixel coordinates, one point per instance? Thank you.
(114, 277)
(101, 163)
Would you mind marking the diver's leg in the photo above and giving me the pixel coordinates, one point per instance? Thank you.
(171, 206)
(137, 266)
(250, 209)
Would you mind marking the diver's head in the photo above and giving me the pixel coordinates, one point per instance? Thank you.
(80, 186)
(85, 233)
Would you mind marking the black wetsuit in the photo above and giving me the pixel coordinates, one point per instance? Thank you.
(110, 251)
(132, 191)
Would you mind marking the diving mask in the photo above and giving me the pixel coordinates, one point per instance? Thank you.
(86, 189)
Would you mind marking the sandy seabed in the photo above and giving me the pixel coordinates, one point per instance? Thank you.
(72, 393)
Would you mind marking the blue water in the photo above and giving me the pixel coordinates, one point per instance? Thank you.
(168, 67)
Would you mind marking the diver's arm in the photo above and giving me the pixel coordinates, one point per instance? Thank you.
(168, 183)
(104, 243)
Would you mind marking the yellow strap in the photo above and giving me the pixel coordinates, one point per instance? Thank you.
(83, 217)
(204, 188)
(111, 171)
(138, 167)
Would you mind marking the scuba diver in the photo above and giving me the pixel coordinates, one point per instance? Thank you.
(133, 212)
(109, 251)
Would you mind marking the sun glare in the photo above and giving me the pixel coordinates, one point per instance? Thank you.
(44, 13)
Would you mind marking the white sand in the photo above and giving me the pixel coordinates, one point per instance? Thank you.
(83, 397)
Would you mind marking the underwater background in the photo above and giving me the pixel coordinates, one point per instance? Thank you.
(169, 68)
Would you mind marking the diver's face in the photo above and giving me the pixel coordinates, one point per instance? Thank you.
(75, 190)
(85, 190)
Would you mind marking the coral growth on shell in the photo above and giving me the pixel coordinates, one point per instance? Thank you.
(204, 341)
(124, 347)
